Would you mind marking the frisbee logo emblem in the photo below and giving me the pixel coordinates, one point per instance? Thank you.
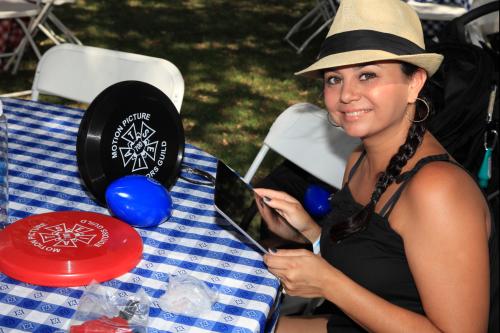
(135, 142)
(138, 148)
(61, 236)
(53, 238)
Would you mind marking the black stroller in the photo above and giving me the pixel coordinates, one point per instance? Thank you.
(464, 92)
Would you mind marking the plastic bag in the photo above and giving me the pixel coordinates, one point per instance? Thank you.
(101, 311)
(187, 295)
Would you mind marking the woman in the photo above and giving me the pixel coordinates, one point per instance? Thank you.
(406, 245)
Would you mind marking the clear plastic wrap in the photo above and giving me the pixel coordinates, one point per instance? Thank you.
(187, 295)
(101, 311)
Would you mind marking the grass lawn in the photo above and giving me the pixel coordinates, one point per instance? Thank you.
(238, 71)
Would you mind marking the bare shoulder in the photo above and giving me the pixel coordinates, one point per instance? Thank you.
(445, 223)
(441, 192)
(445, 181)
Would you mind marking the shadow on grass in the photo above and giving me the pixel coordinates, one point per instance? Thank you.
(238, 71)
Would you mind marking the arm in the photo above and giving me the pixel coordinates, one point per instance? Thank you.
(447, 247)
(442, 218)
(290, 211)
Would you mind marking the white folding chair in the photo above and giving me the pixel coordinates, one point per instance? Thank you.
(303, 135)
(19, 10)
(80, 73)
(314, 22)
(51, 24)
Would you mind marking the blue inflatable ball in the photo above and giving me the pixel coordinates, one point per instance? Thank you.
(316, 200)
(138, 200)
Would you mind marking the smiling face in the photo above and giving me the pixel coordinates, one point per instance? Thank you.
(371, 99)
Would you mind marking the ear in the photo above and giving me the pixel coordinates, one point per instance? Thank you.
(417, 82)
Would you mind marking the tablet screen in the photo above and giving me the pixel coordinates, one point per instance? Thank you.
(235, 201)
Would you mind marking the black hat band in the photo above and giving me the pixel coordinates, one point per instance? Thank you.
(367, 40)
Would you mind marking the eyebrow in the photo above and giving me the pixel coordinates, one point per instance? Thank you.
(368, 64)
(335, 69)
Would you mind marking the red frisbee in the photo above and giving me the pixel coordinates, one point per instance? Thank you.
(64, 249)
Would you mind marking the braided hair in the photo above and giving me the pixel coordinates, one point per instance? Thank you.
(359, 221)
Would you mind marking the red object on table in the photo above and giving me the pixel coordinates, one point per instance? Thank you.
(102, 325)
(70, 248)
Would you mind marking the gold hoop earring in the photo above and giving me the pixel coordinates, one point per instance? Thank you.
(426, 115)
(331, 121)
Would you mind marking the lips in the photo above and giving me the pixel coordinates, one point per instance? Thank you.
(354, 113)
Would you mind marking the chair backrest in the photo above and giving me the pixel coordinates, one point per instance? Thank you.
(80, 73)
(303, 135)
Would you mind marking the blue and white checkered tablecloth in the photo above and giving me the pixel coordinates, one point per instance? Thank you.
(43, 177)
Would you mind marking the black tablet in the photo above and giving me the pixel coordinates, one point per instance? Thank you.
(234, 199)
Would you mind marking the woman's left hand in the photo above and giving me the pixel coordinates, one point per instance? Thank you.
(301, 271)
(288, 219)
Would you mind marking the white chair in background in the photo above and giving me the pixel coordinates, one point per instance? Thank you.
(19, 10)
(303, 135)
(51, 24)
(80, 73)
(313, 22)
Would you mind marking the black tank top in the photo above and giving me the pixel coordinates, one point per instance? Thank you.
(375, 257)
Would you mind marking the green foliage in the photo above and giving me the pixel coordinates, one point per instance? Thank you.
(238, 71)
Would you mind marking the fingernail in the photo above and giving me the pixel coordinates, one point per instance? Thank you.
(267, 199)
(272, 250)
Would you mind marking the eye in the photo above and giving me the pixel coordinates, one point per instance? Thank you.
(367, 76)
(332, 79)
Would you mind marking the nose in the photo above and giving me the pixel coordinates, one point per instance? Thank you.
(349, 91)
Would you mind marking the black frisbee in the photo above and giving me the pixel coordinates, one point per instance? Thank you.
(131, 127)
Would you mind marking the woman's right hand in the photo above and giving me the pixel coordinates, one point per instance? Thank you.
(288, 219)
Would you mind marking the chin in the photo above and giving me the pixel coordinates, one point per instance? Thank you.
(354, 131)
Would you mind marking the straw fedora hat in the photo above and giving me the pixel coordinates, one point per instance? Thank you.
(374, 30)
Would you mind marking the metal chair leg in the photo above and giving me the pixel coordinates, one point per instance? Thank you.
(29, 33)
(19, 51)
(324, 10)
(68, 34)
